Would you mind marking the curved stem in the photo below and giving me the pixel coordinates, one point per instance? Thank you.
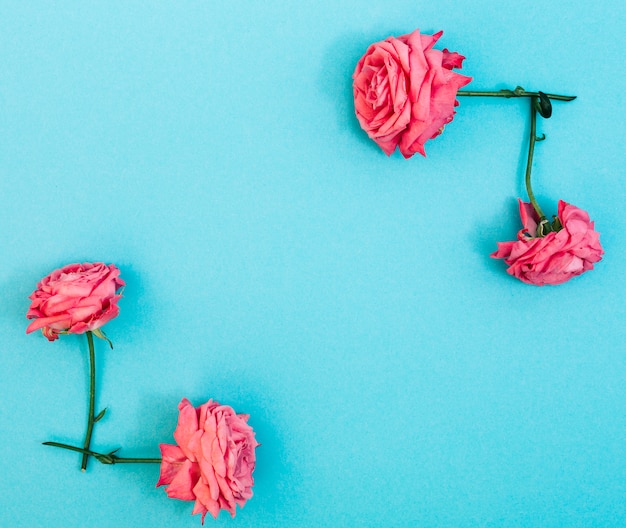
(105, 458)
(531, 150)
(513, 93)
(92, 400)
(543, 227)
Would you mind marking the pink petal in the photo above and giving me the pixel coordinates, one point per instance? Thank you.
(172, 461)
(186, 428)
(184, 481)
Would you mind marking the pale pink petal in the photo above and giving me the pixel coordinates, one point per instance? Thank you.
(45, 321)
(205, 496)
(186, 428)
(172, 458)
(182, 485)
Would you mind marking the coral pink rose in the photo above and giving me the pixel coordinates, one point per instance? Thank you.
(213, 461)
(405, 91)
(557, 256)
(75, 299)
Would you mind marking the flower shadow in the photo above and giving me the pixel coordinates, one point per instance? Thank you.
(335, 80)
(15, 291)
(502, 226)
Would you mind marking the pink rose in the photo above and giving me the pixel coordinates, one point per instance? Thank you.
(75, 299)
(213, 461)
(556, 257)
(405, 91)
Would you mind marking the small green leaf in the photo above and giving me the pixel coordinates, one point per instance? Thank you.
(100, 415)
(105, 459)
(99, 333)
(544, 106)
(543, 227)
(109, 458)
(556, 224)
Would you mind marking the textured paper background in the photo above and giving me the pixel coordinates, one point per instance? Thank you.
(278, 262)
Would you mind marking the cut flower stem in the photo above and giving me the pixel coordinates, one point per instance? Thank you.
(518, 92)
(92, 401)
(543, 226)
(91, 418)
(108, 458)
(539, 102)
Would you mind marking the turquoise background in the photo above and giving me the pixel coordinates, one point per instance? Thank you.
(277, 261)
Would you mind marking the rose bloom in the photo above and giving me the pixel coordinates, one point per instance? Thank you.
(405, 91)
(75, 299)
(556, 257)
(213, 461)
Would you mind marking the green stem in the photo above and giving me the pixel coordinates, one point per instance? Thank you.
(119, 460)
(531, 150)
(92, 400)
(518, 92)
(543, 227)
(109, 458)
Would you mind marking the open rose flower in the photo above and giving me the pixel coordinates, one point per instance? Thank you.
(557, 256)
(213, 461)
(405, 91)
(75, 299)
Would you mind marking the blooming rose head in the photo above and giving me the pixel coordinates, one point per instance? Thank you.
(75, 299)
(557, 256)
(405, 91)
(213, 461)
